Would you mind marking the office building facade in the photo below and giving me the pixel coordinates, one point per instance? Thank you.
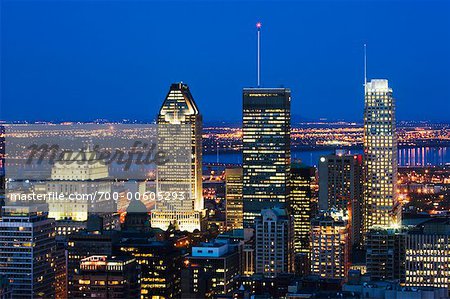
(160, 265)
(82, 245)
(233, 198)
(274, 247)
(266, 150)
(428, 255)
(27, 251)
(179, 126)
(78, 179)
(211, 270)
(341, 187)
(385, 254)
(329, 246)
(381, 206)
(101, 276)
(300, 202)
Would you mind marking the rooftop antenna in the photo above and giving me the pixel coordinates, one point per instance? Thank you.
(365, 66)
(217, 148)
(258, 27)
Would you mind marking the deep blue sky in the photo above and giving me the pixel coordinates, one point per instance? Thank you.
(81, 60)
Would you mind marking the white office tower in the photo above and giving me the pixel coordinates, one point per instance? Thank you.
(79, 185)
(381, 207)
(179, 173)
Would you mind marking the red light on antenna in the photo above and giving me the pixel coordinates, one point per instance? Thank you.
(258, 25)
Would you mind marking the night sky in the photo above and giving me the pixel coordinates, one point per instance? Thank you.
(82, 60)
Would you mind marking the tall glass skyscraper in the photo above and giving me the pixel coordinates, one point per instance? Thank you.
(381, 207)
(179, 180)
(266, 150)
(300, 205)
(341, 188)
(233, 196)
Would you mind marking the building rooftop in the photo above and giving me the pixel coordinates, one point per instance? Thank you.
(434, 226)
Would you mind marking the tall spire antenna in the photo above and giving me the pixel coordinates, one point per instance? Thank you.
(365, 66)
(258, 27)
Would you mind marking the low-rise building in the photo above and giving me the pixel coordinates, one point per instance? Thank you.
(106, 277)
(211, 269)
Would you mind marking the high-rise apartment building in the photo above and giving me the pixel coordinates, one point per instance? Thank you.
(274, 242)
(27, 251)
(233, 198)
(341, 187)
(300, 205)
(266, 150)
(179, 179)
(329, 245)
(385, 254)
(381, 207)
(428, 254)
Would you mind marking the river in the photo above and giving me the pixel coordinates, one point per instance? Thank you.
(414, 156)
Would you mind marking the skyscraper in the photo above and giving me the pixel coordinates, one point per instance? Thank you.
(180, 136)
(27, 251)
(329, 246)
(381, 207)
(233, 197)
(266, 150)
(341, 187)
(274, 242)
(300, 205)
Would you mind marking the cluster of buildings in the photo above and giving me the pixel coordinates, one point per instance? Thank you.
(281, 238)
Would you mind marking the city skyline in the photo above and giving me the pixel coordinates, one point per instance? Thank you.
(103, 63)
(122, 192)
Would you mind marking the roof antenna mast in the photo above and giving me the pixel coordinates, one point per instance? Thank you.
(365, 66)
(258, 27)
